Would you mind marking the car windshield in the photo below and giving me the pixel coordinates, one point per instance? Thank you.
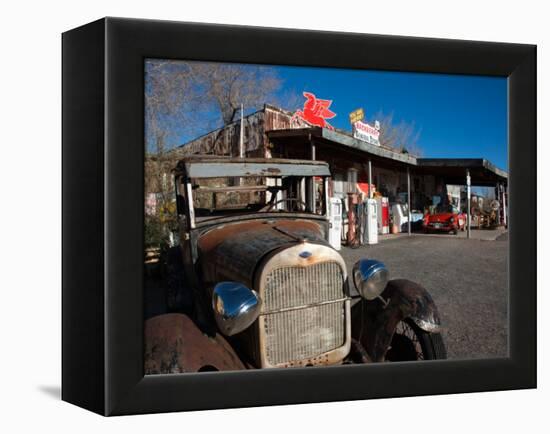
(226, 196)
(446, 208)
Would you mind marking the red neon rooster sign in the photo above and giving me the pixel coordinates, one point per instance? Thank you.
(316, 111)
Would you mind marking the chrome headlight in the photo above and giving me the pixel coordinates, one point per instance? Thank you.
(370, 278)
(235, 306)
(452, 219)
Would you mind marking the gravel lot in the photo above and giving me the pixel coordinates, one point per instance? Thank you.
(467, 279)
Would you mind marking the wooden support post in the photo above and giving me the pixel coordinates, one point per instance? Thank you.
(312, 190)
(370, 179)
(504, 210)
(189, 200)
(469, 199)
(409, 199)
(241, 135)
(499, 199)
(326, 198)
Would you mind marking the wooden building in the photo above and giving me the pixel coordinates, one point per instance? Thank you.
(273, 132)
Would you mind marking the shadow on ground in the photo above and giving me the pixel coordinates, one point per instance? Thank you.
(52, 391)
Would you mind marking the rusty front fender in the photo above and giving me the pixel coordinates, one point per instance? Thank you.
(373, 323)
(174, 344)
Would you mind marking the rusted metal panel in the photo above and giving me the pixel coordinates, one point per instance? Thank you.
(374, 324)
(174, 344)
(232, 251)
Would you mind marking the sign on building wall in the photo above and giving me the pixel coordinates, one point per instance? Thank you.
(315, 112)
(364, 188)
(356, 116)
(367, 133)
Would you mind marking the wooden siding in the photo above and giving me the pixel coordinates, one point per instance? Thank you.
(225, 141)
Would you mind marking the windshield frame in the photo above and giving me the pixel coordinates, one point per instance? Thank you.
(185, 189)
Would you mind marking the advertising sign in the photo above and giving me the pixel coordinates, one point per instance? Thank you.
(367, 133)
(364, 188)
(316, 111)
(356, 115)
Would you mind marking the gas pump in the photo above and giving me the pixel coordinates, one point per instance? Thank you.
(371, 232)
(335, 216)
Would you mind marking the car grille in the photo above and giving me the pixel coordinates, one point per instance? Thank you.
(304, 312)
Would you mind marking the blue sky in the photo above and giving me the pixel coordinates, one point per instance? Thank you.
(458, 116)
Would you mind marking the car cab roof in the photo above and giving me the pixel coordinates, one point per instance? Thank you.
(205, 166)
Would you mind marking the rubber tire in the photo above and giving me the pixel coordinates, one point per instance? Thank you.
(433, 347)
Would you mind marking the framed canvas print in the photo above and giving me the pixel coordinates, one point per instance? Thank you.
(262, 216)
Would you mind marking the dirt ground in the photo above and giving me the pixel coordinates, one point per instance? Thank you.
(467, 279)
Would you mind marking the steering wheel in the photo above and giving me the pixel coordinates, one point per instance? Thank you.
(269, 207)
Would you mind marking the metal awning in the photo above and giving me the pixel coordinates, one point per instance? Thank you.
(452, 170)
(326, 136)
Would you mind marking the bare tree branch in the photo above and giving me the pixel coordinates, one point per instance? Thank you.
(230, 85)
(401, 137)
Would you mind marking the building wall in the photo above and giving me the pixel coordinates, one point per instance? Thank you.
(225, 141)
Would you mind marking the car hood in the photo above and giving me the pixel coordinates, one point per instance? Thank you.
(442, 217)
(233, 251)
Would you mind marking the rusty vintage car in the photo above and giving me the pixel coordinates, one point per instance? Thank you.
(255, 283)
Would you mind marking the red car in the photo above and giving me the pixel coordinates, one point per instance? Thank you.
(446, 219)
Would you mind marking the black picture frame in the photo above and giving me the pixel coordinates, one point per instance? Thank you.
(103, 163)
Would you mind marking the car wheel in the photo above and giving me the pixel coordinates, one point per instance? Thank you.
(410, 343)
